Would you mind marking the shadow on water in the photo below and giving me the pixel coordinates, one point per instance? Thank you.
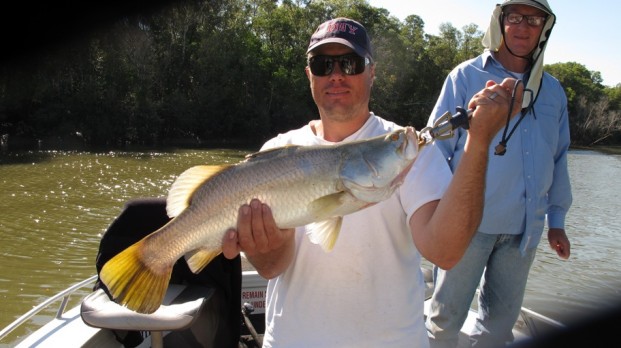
(133, 152)
(24, 157)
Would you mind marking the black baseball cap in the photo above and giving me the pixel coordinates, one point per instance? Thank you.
(344, 31)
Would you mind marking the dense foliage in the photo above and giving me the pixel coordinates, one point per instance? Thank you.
(227, 72)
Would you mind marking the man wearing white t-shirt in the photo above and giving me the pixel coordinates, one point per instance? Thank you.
(369, 290)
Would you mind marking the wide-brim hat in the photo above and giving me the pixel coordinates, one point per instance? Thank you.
(540, 4)
(494, 35)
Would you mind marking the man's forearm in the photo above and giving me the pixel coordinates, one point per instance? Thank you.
(460, 210)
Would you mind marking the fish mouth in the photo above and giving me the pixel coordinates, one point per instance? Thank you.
(408, 150)
(409, 147)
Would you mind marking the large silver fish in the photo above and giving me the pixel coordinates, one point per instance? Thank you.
(301, 184)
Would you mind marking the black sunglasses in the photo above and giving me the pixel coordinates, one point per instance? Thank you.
(351, 64)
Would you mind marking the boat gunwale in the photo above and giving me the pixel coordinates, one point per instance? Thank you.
(63, 295)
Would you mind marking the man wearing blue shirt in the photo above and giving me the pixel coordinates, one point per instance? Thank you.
(527, 179)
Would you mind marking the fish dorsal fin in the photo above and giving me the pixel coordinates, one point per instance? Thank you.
(325, 233)
(273, 152)
(199, 258)
(181, 191)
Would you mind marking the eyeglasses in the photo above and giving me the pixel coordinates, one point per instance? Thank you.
(351, 64)
(533, 21)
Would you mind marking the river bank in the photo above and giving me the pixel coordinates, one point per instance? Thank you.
(607, 149)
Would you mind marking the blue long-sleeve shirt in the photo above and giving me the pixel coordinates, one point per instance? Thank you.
(531, 181)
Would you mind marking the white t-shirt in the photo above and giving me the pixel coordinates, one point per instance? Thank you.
(369, 290)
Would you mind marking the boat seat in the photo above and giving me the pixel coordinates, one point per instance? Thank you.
(181, 307)
(215, 324)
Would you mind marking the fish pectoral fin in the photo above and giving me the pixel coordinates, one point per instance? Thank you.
(325, 233)
(336, 204)
(328, 206)
(182, 190)
(200, 258)
(133, 283)
(329, 211)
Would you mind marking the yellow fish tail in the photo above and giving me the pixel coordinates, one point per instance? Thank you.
(133, 283)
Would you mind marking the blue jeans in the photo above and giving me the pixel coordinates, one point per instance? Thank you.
(496, 261)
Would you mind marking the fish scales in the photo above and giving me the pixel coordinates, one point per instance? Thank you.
(270, 181)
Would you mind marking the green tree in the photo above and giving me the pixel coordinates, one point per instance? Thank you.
(577, 81)
(225, 72)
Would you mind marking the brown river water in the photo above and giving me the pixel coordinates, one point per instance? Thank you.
(54, 207)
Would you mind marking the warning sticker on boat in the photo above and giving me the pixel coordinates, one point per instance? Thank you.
(256, 297)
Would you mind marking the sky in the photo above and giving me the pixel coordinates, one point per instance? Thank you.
(587, 33)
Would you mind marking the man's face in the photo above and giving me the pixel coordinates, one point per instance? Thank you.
(340, 96)
(522, 37)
